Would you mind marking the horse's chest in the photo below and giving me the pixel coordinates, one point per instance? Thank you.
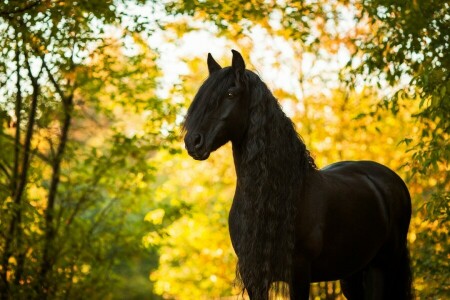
(236, 223)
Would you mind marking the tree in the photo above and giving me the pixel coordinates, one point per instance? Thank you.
(74, 175)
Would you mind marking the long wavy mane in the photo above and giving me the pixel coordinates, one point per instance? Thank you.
(273, 172)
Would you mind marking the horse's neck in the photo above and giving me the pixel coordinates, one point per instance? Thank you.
(238, 156)
(282, 152)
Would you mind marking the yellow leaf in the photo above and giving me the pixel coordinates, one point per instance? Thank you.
(155, 216)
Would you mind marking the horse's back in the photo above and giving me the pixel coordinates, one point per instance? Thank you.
(359, 166)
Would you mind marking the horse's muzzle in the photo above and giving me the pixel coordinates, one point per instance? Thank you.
(195, 145)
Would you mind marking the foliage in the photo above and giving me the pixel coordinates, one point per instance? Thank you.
(412, 40)
(77, 149)
(94, 192)
(196, 258)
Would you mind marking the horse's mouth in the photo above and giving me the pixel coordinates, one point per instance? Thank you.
(199, 156)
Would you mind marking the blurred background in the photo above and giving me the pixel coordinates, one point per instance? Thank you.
(99, 200)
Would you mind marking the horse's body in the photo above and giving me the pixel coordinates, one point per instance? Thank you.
(290, 221)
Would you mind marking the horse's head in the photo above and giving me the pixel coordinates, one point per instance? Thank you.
(219, 111)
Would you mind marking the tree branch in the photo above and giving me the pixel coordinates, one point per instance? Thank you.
(5, 170)
(21, 183)
(15, 176)
(33, 151)
(53, 80)
(21, 10)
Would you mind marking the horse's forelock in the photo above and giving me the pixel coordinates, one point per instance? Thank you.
(208, 95)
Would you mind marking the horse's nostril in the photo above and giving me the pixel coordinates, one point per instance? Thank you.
(198, 140)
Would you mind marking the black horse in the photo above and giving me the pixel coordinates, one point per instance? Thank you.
(291, 222)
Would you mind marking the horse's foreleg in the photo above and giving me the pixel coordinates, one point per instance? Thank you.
(301, 280)
(353, 287)
(374, 287)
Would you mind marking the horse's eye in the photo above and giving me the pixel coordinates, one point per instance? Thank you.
(231, 94)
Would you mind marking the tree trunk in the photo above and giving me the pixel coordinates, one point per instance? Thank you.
(43, 284)
(19, 183)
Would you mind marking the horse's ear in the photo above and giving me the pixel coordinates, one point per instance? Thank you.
(238, 65)
(213, 66)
